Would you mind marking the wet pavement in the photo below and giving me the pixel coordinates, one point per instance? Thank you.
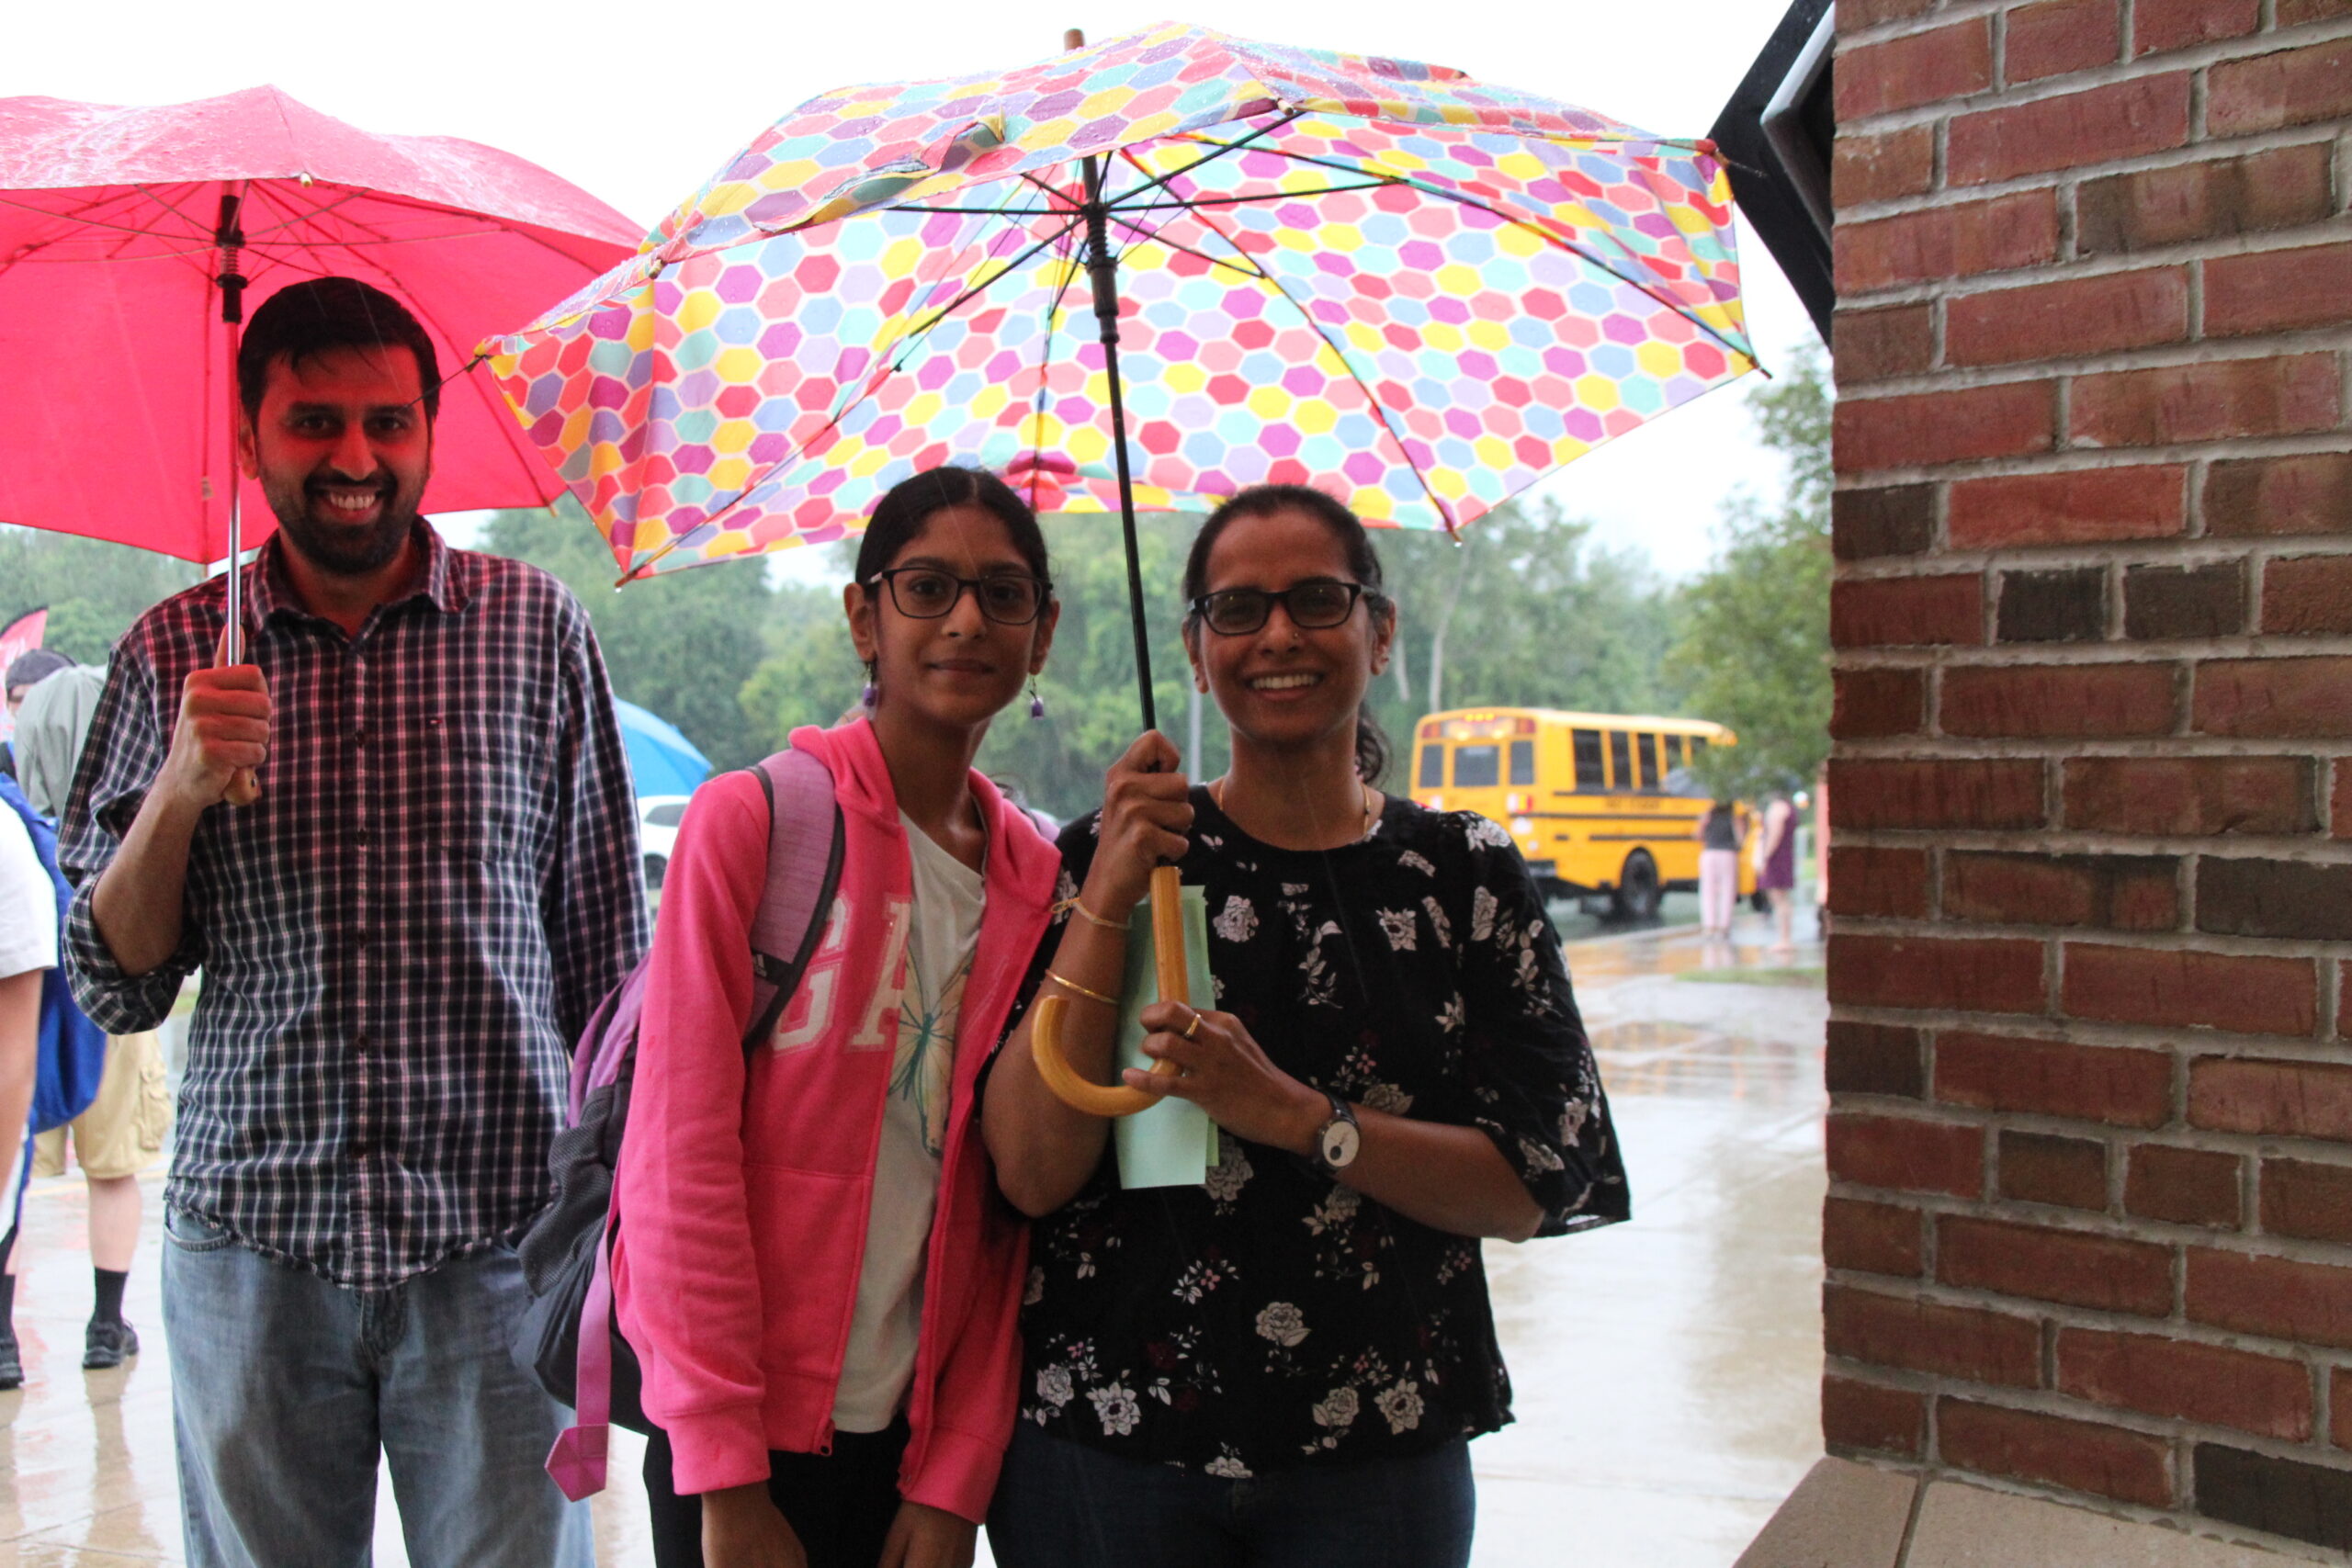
(1666, 1370)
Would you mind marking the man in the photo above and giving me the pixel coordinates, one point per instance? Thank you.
(400, 938)
(122, 1131)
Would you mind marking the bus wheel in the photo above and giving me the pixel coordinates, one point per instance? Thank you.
(1636, 898)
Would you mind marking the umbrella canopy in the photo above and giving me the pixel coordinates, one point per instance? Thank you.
(114, 421)
(1416, 291)
(662, 761)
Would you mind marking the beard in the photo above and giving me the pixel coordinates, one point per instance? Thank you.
(341, 549)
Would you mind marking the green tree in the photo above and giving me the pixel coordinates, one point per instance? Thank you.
(93, 590)
(1754, 648)
(682, 643)
(1524, 611)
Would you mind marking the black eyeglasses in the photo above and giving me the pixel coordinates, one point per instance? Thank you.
(1311, 606)
(925, 592)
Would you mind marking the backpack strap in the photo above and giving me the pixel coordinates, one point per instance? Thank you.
(795, 906)
(792, 915)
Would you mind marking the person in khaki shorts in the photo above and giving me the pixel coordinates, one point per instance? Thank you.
(122, 1131)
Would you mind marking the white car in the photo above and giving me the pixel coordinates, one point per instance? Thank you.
(658, 816)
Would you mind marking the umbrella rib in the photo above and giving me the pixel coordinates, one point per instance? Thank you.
(985, 284)
(1152, 182)
(1650, 289)
(1160, 237)
(1445, 513)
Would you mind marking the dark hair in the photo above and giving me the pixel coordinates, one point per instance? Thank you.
(305, 320)
(1355, 545)
(899, 515)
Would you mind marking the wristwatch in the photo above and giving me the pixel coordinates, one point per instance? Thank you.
(1337, 1141)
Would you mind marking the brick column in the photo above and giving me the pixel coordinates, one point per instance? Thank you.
(2090, 1149)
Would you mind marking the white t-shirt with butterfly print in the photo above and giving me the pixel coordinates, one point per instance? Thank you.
(945, 928)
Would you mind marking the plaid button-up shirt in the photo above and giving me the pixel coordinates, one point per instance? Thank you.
(401, 939)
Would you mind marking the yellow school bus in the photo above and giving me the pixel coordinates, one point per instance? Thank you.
(1599, 803)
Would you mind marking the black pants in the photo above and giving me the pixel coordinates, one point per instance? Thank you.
(839, 1505)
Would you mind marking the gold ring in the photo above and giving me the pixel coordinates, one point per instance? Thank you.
(1193, 1029)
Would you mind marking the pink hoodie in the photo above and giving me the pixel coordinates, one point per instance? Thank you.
(744, 1205)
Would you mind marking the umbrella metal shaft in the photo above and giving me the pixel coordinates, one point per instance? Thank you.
(1103, 272)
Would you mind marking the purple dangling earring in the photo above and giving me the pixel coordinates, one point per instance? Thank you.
(1037, 702)
(868, 697)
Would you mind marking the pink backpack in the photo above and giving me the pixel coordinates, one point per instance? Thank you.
(567, 1337)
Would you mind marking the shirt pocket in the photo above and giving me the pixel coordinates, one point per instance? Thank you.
(491, 798)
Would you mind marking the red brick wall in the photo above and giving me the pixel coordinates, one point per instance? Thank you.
(2090, 1149)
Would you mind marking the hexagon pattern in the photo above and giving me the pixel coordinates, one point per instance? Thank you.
(1414, 290)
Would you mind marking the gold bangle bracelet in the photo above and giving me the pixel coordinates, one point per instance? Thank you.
(1078, 904)
(1073, 986)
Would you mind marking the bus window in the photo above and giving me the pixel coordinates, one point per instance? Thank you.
(1522, 761)
(1621, 758)
(1432, 767)
(1673, 752)
(1698, 748)
(1477, 767)
(1649, 762)
(1590, 775)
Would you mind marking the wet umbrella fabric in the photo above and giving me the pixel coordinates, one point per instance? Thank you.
(114, 417)
(1418, 291)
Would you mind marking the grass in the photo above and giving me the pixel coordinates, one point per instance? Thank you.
(1813, 975)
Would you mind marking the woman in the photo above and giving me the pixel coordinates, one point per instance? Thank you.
(815, 1271)
(1396, 1069)
(1776, 870)
(1718, 835)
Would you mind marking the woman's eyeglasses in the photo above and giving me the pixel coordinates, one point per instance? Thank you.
(1010, 599)
(1311, 606)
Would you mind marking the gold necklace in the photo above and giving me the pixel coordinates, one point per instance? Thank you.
(1364, 823)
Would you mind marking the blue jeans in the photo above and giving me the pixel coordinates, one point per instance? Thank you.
(1063, 1505)
(285, 1386)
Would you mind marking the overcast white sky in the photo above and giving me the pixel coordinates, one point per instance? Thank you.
(639, 103)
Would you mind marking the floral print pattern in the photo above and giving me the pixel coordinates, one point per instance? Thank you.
(1272, 1317)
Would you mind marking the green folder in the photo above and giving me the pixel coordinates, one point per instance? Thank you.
(1174, 1143)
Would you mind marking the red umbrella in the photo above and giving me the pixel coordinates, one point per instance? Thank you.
(131, 240)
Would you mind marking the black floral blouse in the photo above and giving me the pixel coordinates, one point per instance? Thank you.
(1273, 1318)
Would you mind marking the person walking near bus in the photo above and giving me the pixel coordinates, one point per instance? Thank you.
(121, 1133)
(1776, 869)
(1282, 1366)
(816, 1273)
(401, 937)
(1718, 835)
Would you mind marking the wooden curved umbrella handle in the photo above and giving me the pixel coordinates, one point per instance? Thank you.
(1046, 1028)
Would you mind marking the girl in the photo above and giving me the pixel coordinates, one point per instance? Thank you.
(1282, 1366)
(1718, 835)
(1776, 869)
(816, 1273)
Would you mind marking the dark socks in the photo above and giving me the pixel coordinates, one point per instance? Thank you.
(110, 1282)
(7, 1307)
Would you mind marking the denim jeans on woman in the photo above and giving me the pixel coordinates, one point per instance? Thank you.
(1062, 1505)
(285, 1386)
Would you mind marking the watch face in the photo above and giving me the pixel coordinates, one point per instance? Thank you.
(1340, 1141)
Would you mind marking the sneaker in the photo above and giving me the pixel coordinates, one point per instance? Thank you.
(107, 1343)
(12, 1366)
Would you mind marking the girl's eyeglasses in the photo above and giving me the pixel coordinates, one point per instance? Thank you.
(1010, 599)
(1311, 606)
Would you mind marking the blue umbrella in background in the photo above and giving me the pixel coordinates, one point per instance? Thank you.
(662, 761)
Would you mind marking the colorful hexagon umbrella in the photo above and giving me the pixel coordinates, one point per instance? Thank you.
(1414, 290)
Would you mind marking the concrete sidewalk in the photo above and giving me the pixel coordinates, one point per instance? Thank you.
(1667, 1372)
